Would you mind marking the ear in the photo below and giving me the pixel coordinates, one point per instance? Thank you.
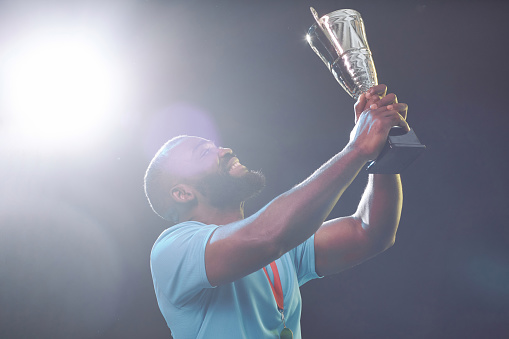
(182, 193)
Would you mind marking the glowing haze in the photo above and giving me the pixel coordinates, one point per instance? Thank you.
(62, 86)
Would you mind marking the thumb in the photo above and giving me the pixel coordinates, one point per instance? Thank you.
(359, 106)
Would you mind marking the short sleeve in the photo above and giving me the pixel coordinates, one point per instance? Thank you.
(177, 261)
(303, 257)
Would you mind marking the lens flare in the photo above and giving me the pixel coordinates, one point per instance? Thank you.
(60, 87)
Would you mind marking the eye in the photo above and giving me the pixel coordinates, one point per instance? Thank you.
(207, 148)
(205, 152)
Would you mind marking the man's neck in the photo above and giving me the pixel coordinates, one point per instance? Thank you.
(216, 216)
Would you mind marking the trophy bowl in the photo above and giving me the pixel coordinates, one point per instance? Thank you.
(339, 39)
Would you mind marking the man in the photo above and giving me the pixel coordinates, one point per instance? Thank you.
(214, 272)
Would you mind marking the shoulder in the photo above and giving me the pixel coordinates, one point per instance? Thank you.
(182, 233)
(177, 261)
(183, 229)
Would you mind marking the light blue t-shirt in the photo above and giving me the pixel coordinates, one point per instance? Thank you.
(243, 309)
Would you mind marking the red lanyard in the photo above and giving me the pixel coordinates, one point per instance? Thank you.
(277, 289)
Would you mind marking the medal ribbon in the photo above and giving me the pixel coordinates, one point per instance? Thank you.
(277, 289)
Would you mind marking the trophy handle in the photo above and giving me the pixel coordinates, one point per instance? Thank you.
(315, 15)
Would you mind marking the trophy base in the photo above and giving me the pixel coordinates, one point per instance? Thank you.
(398, 153)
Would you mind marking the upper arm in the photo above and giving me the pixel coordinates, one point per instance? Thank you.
(342, 243)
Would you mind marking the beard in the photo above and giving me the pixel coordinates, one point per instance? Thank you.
(226, 191)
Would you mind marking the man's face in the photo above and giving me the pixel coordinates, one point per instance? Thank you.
(218, 174)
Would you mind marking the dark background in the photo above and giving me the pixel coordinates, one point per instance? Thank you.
(76, 231)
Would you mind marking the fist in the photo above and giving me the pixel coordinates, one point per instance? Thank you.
(375, 114)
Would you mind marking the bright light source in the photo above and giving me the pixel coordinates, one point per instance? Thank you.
(61, 87)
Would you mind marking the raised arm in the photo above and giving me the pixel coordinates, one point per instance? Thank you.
(344, 242)
(240, 248)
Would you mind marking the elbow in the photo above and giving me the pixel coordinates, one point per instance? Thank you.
(381, 245)
(386, 243)
(380, 237)
(390, 243)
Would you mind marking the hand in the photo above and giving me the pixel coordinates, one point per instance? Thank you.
(375, 114)
(365, 100)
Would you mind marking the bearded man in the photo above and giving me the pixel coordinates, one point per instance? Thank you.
(217, 274)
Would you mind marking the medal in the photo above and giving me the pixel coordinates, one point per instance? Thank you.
(286, 333)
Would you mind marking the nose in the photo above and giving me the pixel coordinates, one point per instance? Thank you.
(223, 151)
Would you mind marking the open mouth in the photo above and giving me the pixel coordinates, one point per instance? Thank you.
(234, 167)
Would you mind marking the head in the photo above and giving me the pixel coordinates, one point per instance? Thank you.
(190, 171)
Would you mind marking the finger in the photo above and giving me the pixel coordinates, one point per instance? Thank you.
(377, 111)
(360, 105)
(401, 108)
(402, 122)
(396, 119)
(379, 90)
(363, 104)
(371, 100)
(388, 100)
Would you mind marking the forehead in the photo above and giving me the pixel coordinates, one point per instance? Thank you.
(183, 160)
(188, 145)
(187, 148)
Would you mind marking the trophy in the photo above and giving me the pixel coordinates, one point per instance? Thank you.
(339, 39)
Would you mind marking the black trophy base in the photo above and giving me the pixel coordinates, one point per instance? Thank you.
(398, 153)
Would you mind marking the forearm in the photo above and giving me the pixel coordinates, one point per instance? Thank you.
(242, 247)
(380, 208)
(297, 214)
